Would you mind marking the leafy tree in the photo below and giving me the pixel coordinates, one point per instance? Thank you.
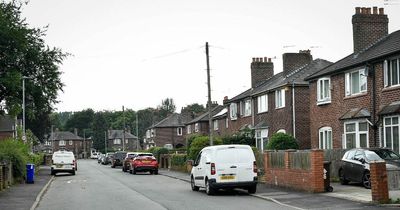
(82, 121)
(199, 143)
(24, 53)
(246, 137)
(167, 107)
(99, 128)
(282, 141)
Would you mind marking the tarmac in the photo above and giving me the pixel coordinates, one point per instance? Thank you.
(26, 196)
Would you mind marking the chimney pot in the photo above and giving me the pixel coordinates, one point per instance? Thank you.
(381, 11)
(265, 59)
(358, 10)
(363, 10)
(368, 11)
(375, 10)
(269, 60)
(254, 60)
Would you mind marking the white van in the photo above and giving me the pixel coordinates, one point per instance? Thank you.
(63, 161)
(225, 167)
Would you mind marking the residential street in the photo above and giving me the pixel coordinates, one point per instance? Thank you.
(101, 187)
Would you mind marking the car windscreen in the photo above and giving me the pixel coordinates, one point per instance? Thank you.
(234, 155)
(372, 156)
(387, 155)
(151, 155)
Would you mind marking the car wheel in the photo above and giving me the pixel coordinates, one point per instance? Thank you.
(209, 189)
(123, 168)
(366, 180)
(52, 172)
(134, 171)
(156, 172)
(113, 165)
(130, 169)
(151, 172)
(73, 172)
(252, 189)
(342, 178)
(192, 184)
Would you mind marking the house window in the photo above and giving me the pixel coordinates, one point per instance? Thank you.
(325, 138)
(262, 103)
(391, 132)
(356, 134)
(241, 108)
(70, 142)
(226, 123)
(179, 131)
(247, 108)
(126, 141)
(117, 141)
(356, 82)
(233, 111)
(391, 70)
(189, 129)
(61, 143)
(324, 91)
(215, 125)
(148, 134)
(196, 127)
(261, 139)
(280, 98)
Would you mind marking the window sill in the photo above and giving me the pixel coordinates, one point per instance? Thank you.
(319, 103)
(356, 95)
(390, 88)
(279, 108)
(233, 119)
(262, 112)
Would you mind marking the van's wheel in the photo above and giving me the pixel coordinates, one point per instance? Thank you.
(192, 184)
(342, 178)
(366, 181)
(252, 189)
(209, 189)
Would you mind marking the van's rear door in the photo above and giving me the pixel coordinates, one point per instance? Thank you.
(234, 164)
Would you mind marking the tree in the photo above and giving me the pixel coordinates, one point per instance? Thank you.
(99, 128)
(282, 141)
(167, 107)
(24, 53)
(82, 121)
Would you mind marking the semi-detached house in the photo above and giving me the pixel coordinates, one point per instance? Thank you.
(355, 102)
(276, 103)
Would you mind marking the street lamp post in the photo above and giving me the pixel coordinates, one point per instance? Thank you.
(23, 107)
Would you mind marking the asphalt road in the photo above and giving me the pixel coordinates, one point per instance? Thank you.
(97, 186)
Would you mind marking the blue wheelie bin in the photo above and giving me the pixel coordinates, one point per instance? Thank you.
(30, 173)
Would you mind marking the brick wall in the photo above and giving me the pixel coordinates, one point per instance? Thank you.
(261, 69)
(379, 183)
(310, 180)
(169, 135)
(293, 61)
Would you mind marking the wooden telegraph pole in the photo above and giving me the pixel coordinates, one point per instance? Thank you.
(209, 98)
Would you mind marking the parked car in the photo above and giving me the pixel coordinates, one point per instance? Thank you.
(63, 161)
(355, 164)
(127, 160)
(144, 162)
(117, 158)
(100, 157)
(107, 158)
(224, 167)
(94, 155)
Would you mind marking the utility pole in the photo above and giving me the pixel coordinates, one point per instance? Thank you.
(52, 138)
(123, 132)
(137, 133)
(84, 144)
(105, 141)
(209, 98)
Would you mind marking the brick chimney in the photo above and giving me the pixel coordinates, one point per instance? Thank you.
(261, 69)
(368, 27)
(293, 61)
(225, 100)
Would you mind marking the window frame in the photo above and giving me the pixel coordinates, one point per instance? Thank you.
(247, 108)
(391, 126)
(196, 127)
(348, 82)
(61, 143)
(326, 97)
(262, 100)
(260, 136)
(70, 142)
(323, 143)
(388, 72)
(357, 133)
(215, 125)
(280, 98)
(189, 129)
(233, 111)
(179, 131)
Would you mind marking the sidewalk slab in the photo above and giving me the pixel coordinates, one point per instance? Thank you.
(23, 196)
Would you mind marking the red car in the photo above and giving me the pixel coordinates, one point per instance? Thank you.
(144, 162)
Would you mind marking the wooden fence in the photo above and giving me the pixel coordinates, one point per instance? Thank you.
(276, 159)
(300, 160)
(335, 157)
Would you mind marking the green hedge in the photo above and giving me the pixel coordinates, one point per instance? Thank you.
(199, 143)
(282, 141)
(18, 153)
(157, 151)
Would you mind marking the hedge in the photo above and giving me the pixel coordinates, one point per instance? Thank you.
(199, 143)
(178, 162)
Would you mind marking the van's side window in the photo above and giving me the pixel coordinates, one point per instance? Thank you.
(197, 159)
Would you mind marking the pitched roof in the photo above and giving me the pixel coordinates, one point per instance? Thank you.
(7, 123)
(64, 135)
(279, 80)
(204, 117)
(386, 46)
(118, 134)
(222, 114)
(174, 120)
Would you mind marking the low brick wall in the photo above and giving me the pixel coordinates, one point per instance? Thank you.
(309, 178)
(379, 182)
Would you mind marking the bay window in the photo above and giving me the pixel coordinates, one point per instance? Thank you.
(356, 134)
(391, 132)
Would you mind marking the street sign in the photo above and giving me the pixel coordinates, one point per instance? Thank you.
(23, 138)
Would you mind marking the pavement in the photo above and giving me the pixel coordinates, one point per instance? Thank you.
(26, 196)
(342, 197)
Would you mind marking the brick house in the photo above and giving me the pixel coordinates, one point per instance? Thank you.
(200, 125)
(71, 142)
(8, 126)
(170, 130)
(359, 95)
(220, 122)
(116, 138)
(276, 103)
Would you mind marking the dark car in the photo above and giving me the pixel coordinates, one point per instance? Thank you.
(106, 159)
(117, 159)
(355, 164)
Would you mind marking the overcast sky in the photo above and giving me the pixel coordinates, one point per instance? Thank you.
(137, 52)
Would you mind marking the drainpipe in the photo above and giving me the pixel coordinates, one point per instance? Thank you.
(252, 112)
(371, 70)
(294, 110)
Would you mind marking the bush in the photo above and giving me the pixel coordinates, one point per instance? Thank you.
(199, 143)
(189, 141)
(282, 141)
(245, 137)
(16, 152)
(157, 151)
